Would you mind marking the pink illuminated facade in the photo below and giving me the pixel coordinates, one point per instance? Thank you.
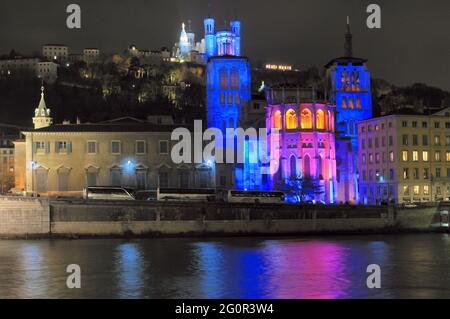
(307, 140)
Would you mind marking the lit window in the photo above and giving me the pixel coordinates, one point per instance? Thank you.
(437, 140)
(437, 156)
(426, 190)
(405, 156)
(425, 156)
(320, 120)
(391, 157)
(405, 173)
(351, 104)
(291, 119)
(416, 190)
(277, 120)
(306, 119)
(447, 156)
(406, 190)
(415, 156)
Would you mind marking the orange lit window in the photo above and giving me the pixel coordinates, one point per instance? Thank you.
(277, 120)
(358, 103)
(306, 119)
(291, 119)
(320, 120)
(344, 103)
(350, 104)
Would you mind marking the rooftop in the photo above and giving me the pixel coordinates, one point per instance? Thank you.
(124, 125)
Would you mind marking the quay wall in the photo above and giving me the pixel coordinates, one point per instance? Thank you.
(213, 218)
(24, 217)
(36, 217)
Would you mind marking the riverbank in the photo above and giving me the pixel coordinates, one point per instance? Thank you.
(41, 218)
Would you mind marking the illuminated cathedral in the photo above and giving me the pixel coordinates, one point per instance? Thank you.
(317, 136)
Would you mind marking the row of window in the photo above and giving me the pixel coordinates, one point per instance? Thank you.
(416, 190)
(349, 103)
(230, 98)
(376, 175)
(414, 124)
(140, 179)
(415, 140)
(375, 142)
(425, 157)
(92, 147)
(405, 157)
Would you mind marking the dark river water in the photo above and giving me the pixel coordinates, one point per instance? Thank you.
(412, 266)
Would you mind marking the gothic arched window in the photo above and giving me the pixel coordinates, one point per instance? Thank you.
(306, 119)
(276, 120)
(293, 166)
(223, 75)
(291, 119)
(351, 104)
(330, 122)
(306, 167)
(319, 168)
(358, 103)
(320, 120)
(234, 79)
(344, 103)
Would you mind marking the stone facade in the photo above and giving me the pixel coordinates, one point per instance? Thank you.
(404, 158)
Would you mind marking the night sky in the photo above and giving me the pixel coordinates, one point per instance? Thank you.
(413, 44)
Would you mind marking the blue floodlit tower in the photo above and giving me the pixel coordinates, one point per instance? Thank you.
(236, 30)
(349, 82)
(210, 38)
(228, 86)
(228, 76)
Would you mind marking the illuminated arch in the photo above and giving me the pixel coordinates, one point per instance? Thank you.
(291, 119)
(276, 120)
(306, 119)
(320, 120)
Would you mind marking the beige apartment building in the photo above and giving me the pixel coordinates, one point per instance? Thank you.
(62, 159)
(55, 52)
(404, 158)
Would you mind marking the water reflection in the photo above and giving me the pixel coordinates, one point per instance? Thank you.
(413, 266)
(129, 270)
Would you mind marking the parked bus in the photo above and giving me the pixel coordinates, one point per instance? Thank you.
(109, 193)
(176, 194)
(274, 197)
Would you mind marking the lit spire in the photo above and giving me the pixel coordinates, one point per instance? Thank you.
(42, 106)
(348, 47)
(42, 113)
